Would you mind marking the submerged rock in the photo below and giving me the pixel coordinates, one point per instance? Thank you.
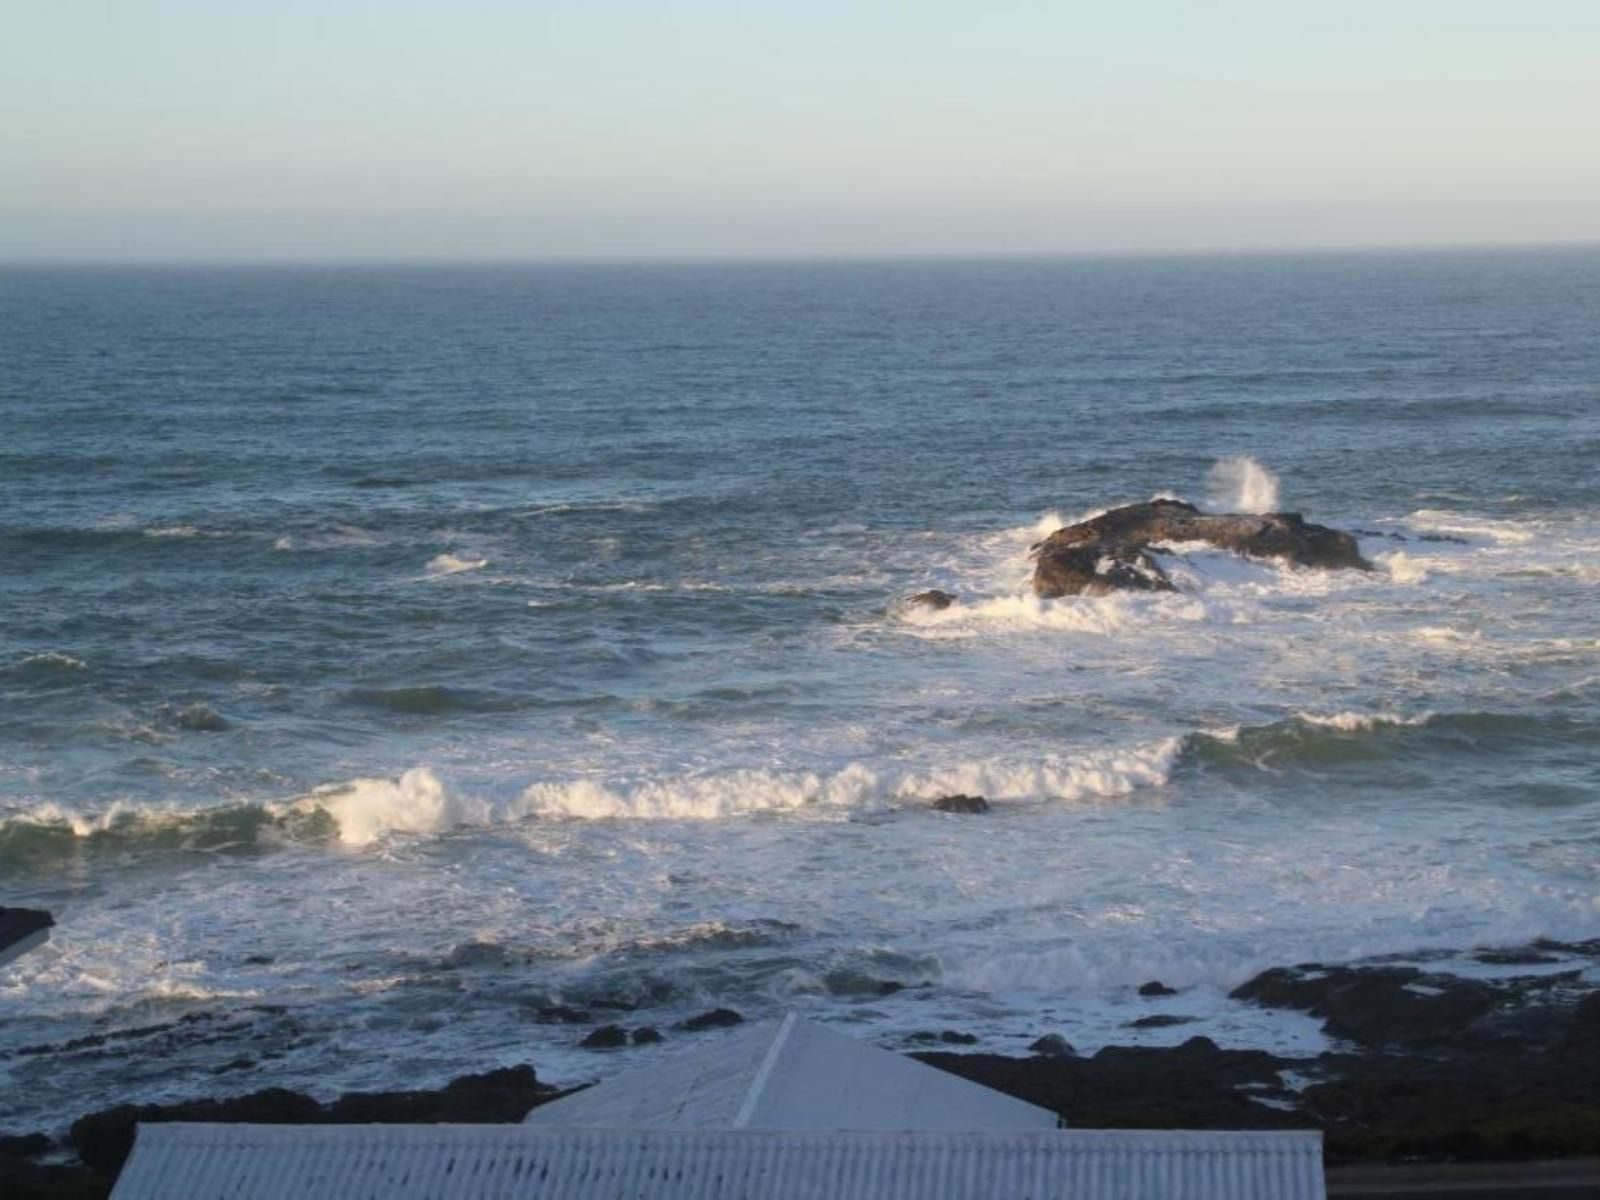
(717, 1018)
(1114, 551)
(932, 598)
(1156, 988)
(607, 1037)
(961, 804)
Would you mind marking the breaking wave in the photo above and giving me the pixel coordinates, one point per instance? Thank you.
(1241, 485)
(361, 811)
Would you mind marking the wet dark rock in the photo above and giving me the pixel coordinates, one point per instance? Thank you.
(846, 982)
(25, 1145)
(1377, 1006)
(103, 1139)
(1114, 551)
(1053, 1045)
(961, 804)
(1160, 1021)
(717, 1018)
(561, 1014)
(258, 960)
(1515, 958)
(505, 1095)
(607, 1037)
(1193, 1086)
(22, 1179)
(932, 598)
(1156, 988)
(948, 1037)
(645, 1035)
(1586, 1015)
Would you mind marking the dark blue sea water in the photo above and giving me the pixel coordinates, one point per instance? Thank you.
(389, 653)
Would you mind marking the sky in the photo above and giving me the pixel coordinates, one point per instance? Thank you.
(197, 130)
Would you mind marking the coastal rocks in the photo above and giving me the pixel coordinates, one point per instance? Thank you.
(607, 1037)
(1156, 988)
(1052, 1045)
(103, 1139)
(1114, 551)
(932, 598)
(967, 805)
(1377, 1006)
(1160, 1021)
(717, 1018)
(1192, 1086)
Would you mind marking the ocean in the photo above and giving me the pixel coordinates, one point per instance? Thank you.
(393, 659)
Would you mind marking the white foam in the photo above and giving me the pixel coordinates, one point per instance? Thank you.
(1448, 521)
(1241, 484)
(1356, 722)
(1095, 775)
(450, 564)
(366, 809)
(1404, 568)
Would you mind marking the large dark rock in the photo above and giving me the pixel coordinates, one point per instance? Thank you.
(103, 1139)
(932, 598)
(717, 1018)
(1112, 552)
(1192, 1086)
(1377, 1006)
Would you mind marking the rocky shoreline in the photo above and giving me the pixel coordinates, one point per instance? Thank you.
(1430, 1066)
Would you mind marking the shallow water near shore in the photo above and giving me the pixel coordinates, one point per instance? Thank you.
(392, 657)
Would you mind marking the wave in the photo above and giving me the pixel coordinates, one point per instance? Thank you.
(1242, 485)
(450, 564)
(1314, 739)
(432, 699)
(52, 668)
(1449, 521)
(1078, 614)
(360, 811)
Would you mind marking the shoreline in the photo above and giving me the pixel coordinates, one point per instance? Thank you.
(1440, 1083)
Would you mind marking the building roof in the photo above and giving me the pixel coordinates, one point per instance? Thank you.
(499, 1162)
(790, 1074)
(21, 929)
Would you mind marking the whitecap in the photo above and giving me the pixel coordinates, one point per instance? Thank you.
(450, 564)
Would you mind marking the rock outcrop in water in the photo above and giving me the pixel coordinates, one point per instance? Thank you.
(1116, 551)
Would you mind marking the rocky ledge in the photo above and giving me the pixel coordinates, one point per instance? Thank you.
(1430, 1064)
(1116, 551)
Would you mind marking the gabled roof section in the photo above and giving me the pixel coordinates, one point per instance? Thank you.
(790, 1074)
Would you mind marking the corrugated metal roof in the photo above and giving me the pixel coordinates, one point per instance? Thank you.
(498, 1162)
(791, 1074)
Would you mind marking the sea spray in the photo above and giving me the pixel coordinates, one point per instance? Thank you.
(1241, 484)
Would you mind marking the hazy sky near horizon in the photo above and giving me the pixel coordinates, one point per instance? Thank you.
(493, 129)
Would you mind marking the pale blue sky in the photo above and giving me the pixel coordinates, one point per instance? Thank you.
(139, 129)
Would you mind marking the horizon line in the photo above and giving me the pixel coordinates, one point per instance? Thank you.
(798, 258)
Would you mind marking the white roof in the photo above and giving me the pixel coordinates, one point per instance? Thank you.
(502, 1162)
(790, 1074)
